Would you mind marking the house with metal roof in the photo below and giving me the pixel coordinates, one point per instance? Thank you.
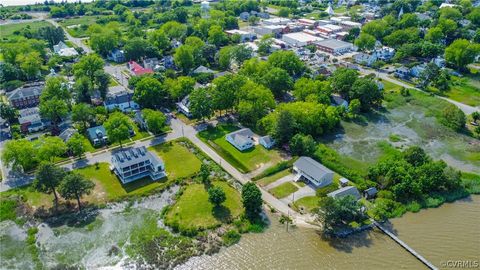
(312, 171)
(345, 191)
(135, 163)
(242, 139)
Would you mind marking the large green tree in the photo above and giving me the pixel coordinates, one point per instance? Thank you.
(75, 186)
(278, 80)
(365, 42)
(83, 113)
(201, 103)
(288, 61)
(184, 58)
(461, 53)
(252, 200)
(155, 120)
(216, 196)
(118, 127)
(149, 93)
(20, 154)
(50, 147)
(48, 178)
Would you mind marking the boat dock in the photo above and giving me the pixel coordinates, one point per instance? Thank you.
(405, 246)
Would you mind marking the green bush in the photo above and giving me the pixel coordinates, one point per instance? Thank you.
(8, 209)
(231, 237)
(414, 206)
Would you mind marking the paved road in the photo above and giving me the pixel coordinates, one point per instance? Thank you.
(76, 41)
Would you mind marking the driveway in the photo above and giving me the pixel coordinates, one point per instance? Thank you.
(285, 179)
(305, 191)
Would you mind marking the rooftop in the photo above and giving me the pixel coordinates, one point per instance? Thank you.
(303, 37)
(311, 167)
(26, 91)
(130, 156)
(345, 191)
(334, 43)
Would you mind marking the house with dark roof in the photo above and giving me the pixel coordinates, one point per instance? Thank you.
(66, 134)
(370, 193)
(117, 56)
(135, 163)
(202, 69)
(97, 135)
(122, 101)
(345, 191)
(137, 70)
(27, 96)
(308, 169)
(242, 139)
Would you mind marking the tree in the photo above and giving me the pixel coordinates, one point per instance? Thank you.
(265, 45)
(53, 35)
(216, 196)
(288, 61)
(365, 42)
(367, 91)
(48, 178)
(416, 156)
(285, 127)
(180, 87)
(255, 101)
(277, 80)
(82, 113)
(216, 36)
(137, 48)
(155, 120)
(149, 93)
(354, 107)
(252, 200)
(183, 58)
(30, 64)
(461, 53)
(76, 145)
(475, 116)
(159, 39)
(334, 214)
(342, 81)
(20, 154)
(453, 117)
(201, 104)
(284, 12)
(50, 147)
(313, 90)
(434, 35)
(75, 186)
(301, 145)
(118, 127)
(204, 174)
(8, 112)
(88, 65)
(104, 42)
(376, 28)
(54, 109)
(226, 91)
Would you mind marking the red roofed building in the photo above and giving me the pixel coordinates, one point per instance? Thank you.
(138, 70)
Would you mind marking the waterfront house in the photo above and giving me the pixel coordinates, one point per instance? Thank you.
(266, 141)
(345, 191)
(136, 163)
(242, 139)
(309, 169)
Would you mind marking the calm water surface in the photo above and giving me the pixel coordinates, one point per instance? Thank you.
(448, 232)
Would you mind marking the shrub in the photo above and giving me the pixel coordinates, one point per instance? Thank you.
(231, 237)
(7, 209)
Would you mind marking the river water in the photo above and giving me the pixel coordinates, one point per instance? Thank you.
(450, 232)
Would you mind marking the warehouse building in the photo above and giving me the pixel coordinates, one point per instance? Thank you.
(300, 39)
(334, 46)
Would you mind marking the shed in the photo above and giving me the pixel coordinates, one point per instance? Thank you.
(370, 193)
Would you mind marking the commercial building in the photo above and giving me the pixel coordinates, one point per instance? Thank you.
(334, 46)
(244, 35)
(311, 170)
(274, 30)
(300, 39)
(136, 163)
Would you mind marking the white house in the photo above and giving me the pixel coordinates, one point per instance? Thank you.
(136, 163)
(311, 170)
(122, 101)
(63, 50)
(266, 141)
(365, 59)
(184, 106)
(242, 139)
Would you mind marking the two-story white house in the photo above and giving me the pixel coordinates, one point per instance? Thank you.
(122, 101)
(136, 163)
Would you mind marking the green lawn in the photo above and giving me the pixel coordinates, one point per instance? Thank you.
(389, 86)
(283, 190)
(465, 90)
(272, 178)
(244, 161)
(306, 203)
(193, 210)
(78, 31)
(179, 161)
(9, 29)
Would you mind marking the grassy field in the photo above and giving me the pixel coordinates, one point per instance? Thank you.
(78, 31)
(465, 90)
(283, 190)
(244, 161)
(193, 210)
(9, 29)
(272, 178)
(306, 203)
(179, 161)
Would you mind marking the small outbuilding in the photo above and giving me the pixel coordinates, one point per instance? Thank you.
(343, 182)
(266, 141)
(370, 193)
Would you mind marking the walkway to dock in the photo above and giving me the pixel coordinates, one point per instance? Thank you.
(405, 246)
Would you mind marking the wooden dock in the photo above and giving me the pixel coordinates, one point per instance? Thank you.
(405, 246)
